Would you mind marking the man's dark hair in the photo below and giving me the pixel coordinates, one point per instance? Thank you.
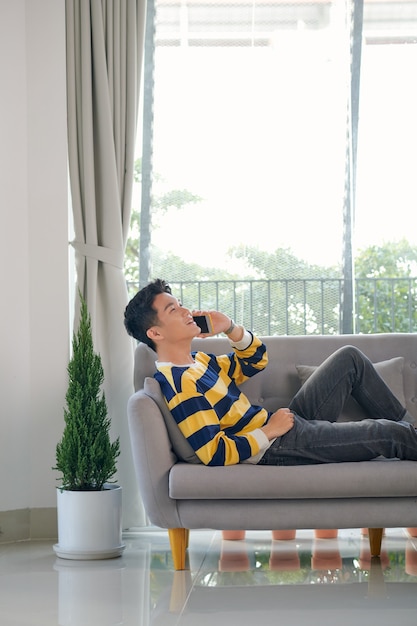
(140, 314)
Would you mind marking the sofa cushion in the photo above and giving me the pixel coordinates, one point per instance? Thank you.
(391, 372)
(388, 478)
(180, 445)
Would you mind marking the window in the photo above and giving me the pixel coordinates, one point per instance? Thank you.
(278, 141)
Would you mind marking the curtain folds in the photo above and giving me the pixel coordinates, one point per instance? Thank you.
(104, 60)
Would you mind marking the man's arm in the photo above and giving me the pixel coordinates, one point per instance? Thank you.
(214, 443)
(248, 358)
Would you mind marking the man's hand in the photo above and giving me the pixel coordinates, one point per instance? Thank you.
(221, 322)
(279, 423)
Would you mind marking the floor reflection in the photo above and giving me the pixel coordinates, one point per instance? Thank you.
(304, 580)
(90, 591)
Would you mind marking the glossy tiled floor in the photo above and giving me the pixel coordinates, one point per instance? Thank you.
(252, 582)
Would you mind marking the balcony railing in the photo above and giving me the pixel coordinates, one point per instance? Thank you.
(311, 306)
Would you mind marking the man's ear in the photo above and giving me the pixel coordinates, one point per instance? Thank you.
(154, 334)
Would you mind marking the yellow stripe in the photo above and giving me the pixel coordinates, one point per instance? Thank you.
(217, 392)
(197, 421)
(207, 452)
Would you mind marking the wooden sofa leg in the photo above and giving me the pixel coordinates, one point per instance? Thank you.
(375, 540)
(178, 539)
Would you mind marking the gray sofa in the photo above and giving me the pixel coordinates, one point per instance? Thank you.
(180, 494)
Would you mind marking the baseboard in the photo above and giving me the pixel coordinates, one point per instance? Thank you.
(43, 523)
(14, 525)
(24, 524)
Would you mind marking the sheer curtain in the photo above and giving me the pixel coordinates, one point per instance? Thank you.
(104, 58)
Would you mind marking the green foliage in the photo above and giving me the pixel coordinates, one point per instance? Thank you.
(386, 288)
(85, 456)
(391, 260)
(277, 292)
(300, 297)
(281, 264)
(162, 201)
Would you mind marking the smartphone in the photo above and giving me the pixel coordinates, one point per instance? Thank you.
(205, 323)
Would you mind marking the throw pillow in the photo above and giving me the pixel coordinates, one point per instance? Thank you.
(179, 443)
(391, 372)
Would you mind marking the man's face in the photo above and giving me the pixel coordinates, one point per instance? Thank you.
(175, 322)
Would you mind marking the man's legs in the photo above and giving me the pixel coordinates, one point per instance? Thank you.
(316, 439)
(346, 372)
(312, 442)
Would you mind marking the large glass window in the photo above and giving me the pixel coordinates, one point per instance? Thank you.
(277, 153)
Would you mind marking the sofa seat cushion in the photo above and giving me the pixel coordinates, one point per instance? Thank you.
(367, 479)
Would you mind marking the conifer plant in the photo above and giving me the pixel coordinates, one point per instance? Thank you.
(85, 456)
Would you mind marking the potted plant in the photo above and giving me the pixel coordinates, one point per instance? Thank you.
(89, 506)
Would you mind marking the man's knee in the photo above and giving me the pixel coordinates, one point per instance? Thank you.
(349, 350)
(350, 353)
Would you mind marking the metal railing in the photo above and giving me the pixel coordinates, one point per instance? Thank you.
(311, 306)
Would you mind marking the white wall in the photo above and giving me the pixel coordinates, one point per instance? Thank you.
(34, 319)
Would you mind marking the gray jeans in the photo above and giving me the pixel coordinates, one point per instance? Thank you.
(317, 438)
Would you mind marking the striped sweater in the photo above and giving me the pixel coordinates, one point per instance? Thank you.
(215, 417)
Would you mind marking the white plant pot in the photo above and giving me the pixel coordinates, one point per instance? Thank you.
(90, 524)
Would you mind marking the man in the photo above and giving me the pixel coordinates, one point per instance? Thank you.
(203, 395)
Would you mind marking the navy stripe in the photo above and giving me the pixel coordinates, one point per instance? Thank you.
(189, 407)
(243, 421)
(203, 436)
(223, 406)
(232, 367)
(177, 373)
(244, 448)
(247, 368)
(166, 388)
(210, 376)
(220, 455)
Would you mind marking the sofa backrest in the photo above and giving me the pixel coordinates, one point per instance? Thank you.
(278, 383)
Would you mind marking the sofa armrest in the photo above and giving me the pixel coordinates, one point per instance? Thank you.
(153, 459)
